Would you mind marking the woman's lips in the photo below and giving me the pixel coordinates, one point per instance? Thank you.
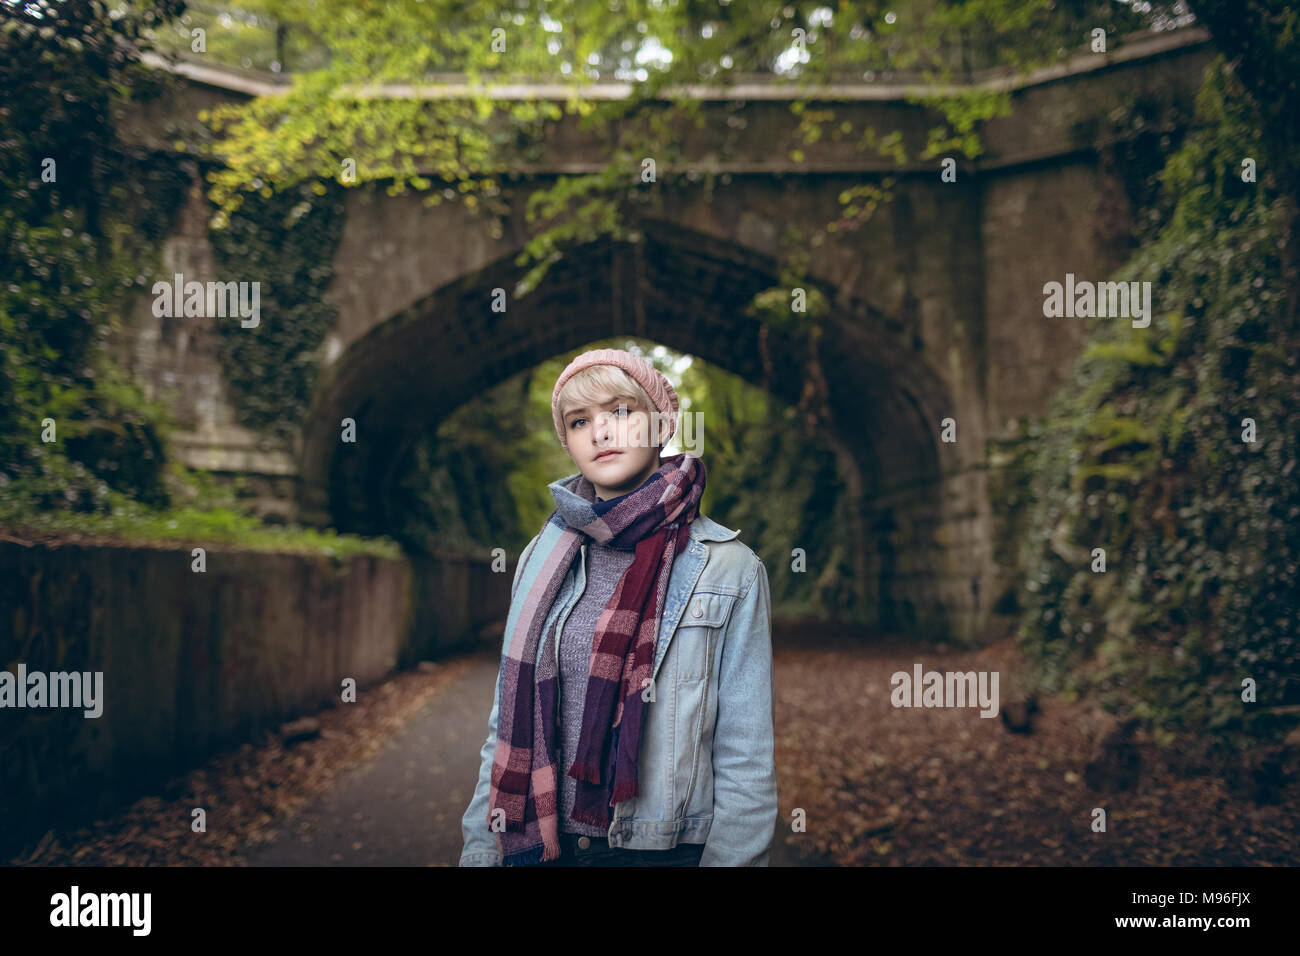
(606, 455)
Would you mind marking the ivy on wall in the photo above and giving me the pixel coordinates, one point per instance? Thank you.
(1144, 455)
(286, 242)
(82, 228)
(1132, 143)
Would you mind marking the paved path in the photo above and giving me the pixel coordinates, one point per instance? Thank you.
(403, 806)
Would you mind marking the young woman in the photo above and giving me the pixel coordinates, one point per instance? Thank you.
(632, 721)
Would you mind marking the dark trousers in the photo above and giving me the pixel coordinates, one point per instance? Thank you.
(600, 853)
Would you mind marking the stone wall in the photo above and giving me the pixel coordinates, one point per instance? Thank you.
(195, 663)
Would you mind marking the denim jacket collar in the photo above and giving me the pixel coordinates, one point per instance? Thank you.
(704, 528)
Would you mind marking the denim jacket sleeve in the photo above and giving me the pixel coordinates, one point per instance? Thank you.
(481, 846)
(744, 766)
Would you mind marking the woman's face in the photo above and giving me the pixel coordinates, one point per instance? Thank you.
(611, 444)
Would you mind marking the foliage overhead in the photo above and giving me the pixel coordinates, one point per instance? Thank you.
(659, 50)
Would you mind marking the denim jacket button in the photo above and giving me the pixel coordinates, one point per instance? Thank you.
(699, 609)
(584, 842)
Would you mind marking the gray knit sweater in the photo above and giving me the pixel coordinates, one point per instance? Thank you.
(604, 568)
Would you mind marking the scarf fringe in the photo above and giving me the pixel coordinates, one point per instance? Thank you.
(624, 790)
(591, 819)
(551, 844)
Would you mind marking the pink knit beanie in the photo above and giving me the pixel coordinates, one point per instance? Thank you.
(659, 389)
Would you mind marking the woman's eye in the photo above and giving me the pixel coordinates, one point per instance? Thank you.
(623, 409)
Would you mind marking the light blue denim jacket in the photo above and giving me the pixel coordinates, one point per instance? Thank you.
(706, 772)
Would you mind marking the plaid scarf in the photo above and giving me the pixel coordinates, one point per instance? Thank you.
(655, 521)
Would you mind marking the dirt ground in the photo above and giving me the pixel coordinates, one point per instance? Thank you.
(923, 786)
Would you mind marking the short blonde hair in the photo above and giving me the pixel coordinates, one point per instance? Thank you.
(599, 384)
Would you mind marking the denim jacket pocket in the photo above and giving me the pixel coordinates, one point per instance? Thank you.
(698, 632)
